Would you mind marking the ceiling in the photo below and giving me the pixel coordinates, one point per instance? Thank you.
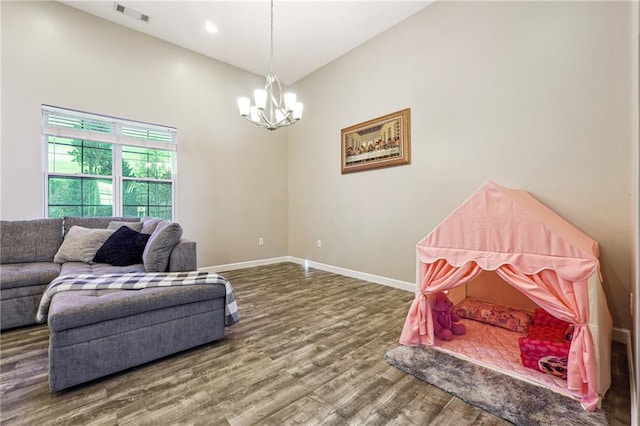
(307, 34)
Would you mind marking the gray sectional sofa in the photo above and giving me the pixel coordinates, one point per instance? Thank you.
(27, 251)
(98, 332)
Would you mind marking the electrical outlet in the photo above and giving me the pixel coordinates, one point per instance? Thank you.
(319, 243)
(260, 241)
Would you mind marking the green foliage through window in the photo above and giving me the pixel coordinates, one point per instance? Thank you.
(147, 162)
(79, 156)
(80, 196)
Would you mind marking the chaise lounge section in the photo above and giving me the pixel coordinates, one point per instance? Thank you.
(97, 333)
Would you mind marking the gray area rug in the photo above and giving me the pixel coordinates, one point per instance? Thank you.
(514, 400)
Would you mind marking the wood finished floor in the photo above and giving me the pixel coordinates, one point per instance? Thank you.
(308, 350)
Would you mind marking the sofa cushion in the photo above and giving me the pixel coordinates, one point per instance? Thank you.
(18, 240)
(19, 292)
(94, 222)
(81, 244)
(183, 257)
(124, 247)
(78, 308)
(81, 268)
(28, 274)
(158, 250)
(117, 224)
(136, 327)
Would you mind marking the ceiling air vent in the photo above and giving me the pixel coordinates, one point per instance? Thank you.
(132, 13)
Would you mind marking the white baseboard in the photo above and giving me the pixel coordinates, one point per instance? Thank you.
(621, 335)
(402, 285)
(376, 279)
(243, 265)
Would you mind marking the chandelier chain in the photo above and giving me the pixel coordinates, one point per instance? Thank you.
(271, 57)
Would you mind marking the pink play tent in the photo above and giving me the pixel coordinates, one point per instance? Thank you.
(535, 251)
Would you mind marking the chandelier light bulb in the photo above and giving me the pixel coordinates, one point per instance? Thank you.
(260, 97)
(253, 113)
(243, 106)
(289, 101)
(297, 111)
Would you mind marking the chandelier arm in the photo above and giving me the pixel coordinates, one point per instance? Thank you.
(264, 118)
(286, 119)
(257, 123)
(272, 125)
(277, 102)
(270, 105)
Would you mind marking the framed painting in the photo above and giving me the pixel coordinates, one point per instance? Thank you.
(380, 142)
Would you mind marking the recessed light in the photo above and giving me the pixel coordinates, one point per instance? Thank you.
(210, 27)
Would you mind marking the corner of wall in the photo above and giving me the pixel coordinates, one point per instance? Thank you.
(633, 342)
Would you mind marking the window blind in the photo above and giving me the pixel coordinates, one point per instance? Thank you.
(69, 123)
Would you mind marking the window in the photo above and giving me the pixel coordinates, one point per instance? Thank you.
(105, 166)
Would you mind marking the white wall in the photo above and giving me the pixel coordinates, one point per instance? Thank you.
(232, 176)
(531, 95)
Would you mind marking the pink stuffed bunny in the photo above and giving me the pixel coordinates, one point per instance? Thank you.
(444, 320)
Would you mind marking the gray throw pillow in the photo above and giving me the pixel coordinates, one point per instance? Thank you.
(94, 222)
(158, 250)
(81, 244)
(116, 224)
(149, 224)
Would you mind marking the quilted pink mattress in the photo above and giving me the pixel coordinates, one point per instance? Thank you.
(496, 348)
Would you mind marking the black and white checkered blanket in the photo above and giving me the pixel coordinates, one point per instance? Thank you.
(136, 281)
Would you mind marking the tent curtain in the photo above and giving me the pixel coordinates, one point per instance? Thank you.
(563, 299)
(568, 301)
(436, 276)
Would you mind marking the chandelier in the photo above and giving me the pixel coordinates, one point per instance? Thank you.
(269, 110)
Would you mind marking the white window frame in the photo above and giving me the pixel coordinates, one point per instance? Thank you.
(122, 133)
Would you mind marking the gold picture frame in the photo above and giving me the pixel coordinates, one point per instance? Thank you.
(380, 142)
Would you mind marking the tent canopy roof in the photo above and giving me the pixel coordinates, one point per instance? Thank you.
(499, 225)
